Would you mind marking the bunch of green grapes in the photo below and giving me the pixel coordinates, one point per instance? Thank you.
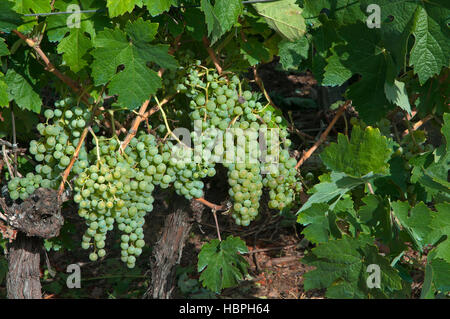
(117, 189)
(218, 103)
(54, 149)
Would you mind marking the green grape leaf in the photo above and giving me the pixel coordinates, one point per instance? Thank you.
(114, 47)
(293, 53)
(195, 23)
(343, 11)
(58, 27)
(437, 276)
(331, 189)
(423, 225)
(9, 19)
(416, 221)
(73, 48)
(4, 98)
(3, 48)
(119, 7)
(342, 269)
(283, 16)
(352, 56)
(221, 264)
(375, 217)
(215, 30)
(430, 169)
(335, 72)
(227, 11)
(21, 90)
(396, 94)
(427, 23)
(30, 6)
(254, 51)
(366, 151)
(316, 221)
(156, 7)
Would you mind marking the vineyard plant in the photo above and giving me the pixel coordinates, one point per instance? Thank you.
(128, 127)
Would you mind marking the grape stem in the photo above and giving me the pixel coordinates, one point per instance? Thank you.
(167, 124)
(217, 225)
(324, 135)
(212, 55)
(260, 83)
(97, 146)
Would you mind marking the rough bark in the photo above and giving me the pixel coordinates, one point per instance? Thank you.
(169, 249)
(22, 281)
(39, 216)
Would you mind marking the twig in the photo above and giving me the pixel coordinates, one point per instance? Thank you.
(217, 225)
(13, 120)
(260, 83)
(369, 186)
(72, 161)
(324, 135)
(212, 55)
(254, 251)
(6, 158)
(214, 207)
(417, 125)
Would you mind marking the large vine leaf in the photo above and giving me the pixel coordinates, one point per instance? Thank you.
(366, 151)
(220, 264)
(21, 90)
(114, 48)
(284, 16)
(427, 22)
(361, 52)
(341, 268)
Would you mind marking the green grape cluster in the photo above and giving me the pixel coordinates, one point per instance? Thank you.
(54, 149)
(118, 189)
(218, 104)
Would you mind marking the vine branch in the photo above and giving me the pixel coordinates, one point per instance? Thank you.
(212, 55)
(324, 135)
